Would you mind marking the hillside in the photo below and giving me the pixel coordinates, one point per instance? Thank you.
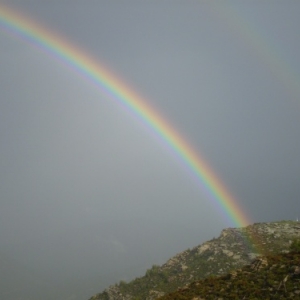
(233, 249)
(268, 277)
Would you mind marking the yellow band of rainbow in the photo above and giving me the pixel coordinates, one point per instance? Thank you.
(95, 72)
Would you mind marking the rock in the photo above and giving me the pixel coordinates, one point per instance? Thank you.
(252, 255)
(233, 249)
(184, 267)
(228, 253)
(203, 248)
(154, 294)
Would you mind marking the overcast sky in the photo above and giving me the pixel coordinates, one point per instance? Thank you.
(84, 186)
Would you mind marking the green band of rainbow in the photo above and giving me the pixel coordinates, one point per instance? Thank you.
(107, 82)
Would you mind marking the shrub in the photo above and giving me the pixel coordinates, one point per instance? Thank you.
(295, 246)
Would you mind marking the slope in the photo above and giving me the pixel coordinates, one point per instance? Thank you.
(268, 277)
(234, 248)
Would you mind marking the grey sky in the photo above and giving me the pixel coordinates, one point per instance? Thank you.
(84, 187)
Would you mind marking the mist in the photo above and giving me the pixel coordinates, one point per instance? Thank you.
(90, 195)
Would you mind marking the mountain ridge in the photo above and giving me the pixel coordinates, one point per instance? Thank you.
(233, 249)
(267, 277)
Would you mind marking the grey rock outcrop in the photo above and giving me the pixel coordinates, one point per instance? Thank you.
(234, 248)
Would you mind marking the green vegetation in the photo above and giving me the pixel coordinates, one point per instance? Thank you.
(278, 277)
(233, 249)
(295, 246)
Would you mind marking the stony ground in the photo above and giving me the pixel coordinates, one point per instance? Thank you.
(268, 277)
(234, 248)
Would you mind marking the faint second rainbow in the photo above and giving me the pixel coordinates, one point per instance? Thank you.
(259, 45)
(95, 72)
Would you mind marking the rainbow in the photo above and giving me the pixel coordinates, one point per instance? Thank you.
(266, 53)
(96, 73)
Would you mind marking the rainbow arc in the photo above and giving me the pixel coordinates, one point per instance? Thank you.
(54, 45)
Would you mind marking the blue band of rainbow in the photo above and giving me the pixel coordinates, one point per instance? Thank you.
(99, 75)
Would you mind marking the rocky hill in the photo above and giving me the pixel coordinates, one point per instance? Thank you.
(267, 277)
(233, 249)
